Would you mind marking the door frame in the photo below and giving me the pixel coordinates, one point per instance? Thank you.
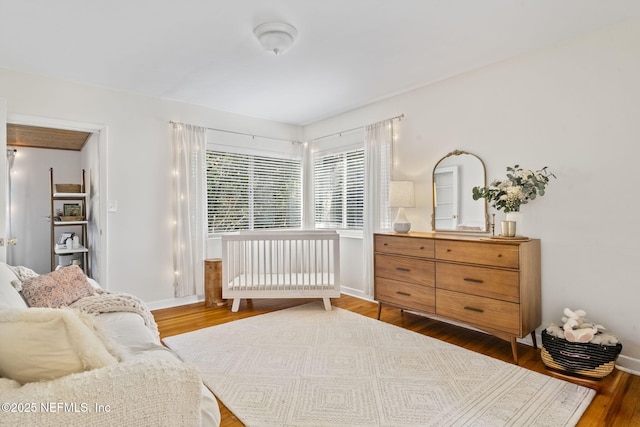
(96, 128)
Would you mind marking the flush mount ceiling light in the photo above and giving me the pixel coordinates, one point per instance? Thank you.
(275, 37)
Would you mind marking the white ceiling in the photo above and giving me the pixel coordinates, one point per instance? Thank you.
(348, 52)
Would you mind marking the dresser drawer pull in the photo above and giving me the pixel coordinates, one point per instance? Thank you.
(467, 279)
(477, 310)
(403, 269)
(404, 294)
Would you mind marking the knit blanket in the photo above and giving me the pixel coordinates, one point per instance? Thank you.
(142, 392)
(108, 302)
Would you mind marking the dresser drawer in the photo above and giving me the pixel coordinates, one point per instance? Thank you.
(486, 282)
(403, 269)
(410, 246)
(480, 311)
(409, 295)
(494, 254)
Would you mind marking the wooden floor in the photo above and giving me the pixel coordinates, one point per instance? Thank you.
(616, 404)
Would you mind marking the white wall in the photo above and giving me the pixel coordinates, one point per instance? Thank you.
(139, 259)
(352, 265)
(573, 107)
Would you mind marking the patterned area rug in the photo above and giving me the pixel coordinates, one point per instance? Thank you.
(305, 366)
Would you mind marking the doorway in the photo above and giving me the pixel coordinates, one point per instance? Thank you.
(34, 145)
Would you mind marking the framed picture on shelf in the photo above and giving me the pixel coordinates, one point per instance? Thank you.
(71, 209)
(64, 236)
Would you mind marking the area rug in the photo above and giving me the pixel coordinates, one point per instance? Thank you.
(305, 366)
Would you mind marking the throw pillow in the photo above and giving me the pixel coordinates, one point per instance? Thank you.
(44, 344)
(56, 289)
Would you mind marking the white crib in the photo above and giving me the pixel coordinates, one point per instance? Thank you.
(281, 264)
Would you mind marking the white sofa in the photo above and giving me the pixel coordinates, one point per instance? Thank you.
(123, 375)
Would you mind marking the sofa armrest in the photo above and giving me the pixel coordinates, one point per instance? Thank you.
(138, 392)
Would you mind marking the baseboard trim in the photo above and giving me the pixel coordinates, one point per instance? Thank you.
(628, 364)
(174, 302)
(355, 293)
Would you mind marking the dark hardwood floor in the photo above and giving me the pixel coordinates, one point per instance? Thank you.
(616, 404)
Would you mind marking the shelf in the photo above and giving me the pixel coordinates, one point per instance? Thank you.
(63, 223)
(69, 196)
(62, 250)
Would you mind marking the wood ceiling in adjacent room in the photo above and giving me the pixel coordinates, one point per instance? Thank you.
(40, 137)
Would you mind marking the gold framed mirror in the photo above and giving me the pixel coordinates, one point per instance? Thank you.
(454, 209)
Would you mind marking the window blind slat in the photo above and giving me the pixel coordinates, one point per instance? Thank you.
(246, 192)
(339, 190)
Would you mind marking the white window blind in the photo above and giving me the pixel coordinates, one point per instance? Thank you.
(250, 192)
(339, 190)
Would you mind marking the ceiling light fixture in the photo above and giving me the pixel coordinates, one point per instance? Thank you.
(275, 37)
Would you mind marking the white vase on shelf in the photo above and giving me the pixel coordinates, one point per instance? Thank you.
(519, 220)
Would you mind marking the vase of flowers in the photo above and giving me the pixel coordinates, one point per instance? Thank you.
(520, 186)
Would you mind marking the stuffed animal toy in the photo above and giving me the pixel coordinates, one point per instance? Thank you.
(576, 328)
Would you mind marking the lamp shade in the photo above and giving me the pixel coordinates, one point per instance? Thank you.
(401, 194)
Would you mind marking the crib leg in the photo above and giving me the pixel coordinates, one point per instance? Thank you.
(327, 303)
(236, 304)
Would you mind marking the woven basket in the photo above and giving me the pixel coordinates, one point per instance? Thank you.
(68, 188)
(585, 359)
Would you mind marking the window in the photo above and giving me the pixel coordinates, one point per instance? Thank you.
(250, 192)
(339, 190)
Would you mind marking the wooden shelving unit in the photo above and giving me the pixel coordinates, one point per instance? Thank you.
(61, 255)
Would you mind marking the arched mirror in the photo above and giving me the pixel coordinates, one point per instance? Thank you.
(454, 209)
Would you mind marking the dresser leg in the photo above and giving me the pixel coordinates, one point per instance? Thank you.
(379, 309)
(514, 349)
(533, 338)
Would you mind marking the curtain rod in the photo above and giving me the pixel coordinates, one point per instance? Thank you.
(400, 117)
(243, 134)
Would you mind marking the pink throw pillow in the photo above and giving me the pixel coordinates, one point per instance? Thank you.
(56, 289)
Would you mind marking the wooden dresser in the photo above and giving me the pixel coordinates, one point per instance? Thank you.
(490, 284)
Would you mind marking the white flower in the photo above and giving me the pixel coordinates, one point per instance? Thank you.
(515, 193)
(505, 186)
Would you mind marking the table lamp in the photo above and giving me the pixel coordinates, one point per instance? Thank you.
(401, 195)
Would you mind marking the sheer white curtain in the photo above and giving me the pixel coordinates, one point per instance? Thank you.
(189, 208)
(308, 195)
(378, 153)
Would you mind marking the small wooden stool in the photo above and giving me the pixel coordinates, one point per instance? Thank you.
(213, 283)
